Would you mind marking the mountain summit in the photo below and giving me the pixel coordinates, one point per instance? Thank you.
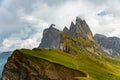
(52, 36)
(81, 28)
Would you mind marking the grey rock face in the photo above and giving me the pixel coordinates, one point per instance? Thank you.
(109, 45)
(72, 28)
(66, 30)
(51, 38)
(81, 28)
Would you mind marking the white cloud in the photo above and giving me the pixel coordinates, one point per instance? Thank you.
(22, 23)
(11, 44)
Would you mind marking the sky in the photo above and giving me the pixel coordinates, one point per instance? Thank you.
(22, 22)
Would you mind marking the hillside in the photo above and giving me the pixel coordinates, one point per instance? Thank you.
(76, 58)
(85, 65)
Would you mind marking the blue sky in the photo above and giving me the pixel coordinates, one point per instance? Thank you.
(0, 1)
(22, 22)
(103, 13)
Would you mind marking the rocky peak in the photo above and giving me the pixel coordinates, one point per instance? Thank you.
(51, 38)
(51, 26)
(81, 28)
(72, 25)
(78, 20)
(109, 45)
(72, 28)
(66, 30)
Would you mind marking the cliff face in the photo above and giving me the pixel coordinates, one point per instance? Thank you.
(81, 37)
(23, 67)
(109, 45)
(52, 37)
(81, 28)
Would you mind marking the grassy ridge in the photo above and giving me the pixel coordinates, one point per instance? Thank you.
(97, 70)
(87, 59)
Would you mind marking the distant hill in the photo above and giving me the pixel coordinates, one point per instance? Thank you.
(3, 60)
(108, 45)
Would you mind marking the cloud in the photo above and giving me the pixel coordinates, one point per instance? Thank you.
(22, 22)
(18, 29)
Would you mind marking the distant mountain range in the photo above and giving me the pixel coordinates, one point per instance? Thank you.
(3, 59)
(108, 45)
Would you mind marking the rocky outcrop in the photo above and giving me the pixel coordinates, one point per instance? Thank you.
(51, 38)
(82, 29)
(24, 67)
(72, 29)
(66, 30)
(109, 45)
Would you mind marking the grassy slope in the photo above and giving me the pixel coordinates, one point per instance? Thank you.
(96, 66)
(98, 70)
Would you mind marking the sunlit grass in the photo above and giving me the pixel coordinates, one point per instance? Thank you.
(95, 65)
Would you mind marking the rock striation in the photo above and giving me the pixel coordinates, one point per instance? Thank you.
(81, 28)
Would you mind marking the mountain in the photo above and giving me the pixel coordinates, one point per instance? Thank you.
(22, 66)
(109, 45)
(81, 28)
(3, 60)
(66, 30)
(76, 57)
(51, 38)
(77, 32)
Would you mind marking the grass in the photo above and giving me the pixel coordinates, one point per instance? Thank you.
(95, 65)
(96, 70)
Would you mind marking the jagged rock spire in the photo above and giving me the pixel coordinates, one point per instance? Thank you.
(66, 30)
(51, 36)
(81, 28)
(52, 25)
